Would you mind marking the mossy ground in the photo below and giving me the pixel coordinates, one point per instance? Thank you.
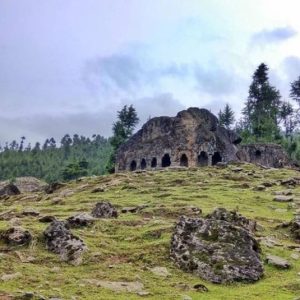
(124, 249)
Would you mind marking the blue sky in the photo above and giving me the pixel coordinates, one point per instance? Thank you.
(68, 66)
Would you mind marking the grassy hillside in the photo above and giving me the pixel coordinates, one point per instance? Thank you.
(126, 248)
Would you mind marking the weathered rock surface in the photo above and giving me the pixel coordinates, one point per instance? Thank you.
(233, 217)
(9, 190)
(52, 187)
(80, 220)
(104, 209)
(16, 236)
(282, 198)
(219, 248)
(278, 262)
(27, 184)
(192, 138)
(47, 219)
(60, 240)
(295, 228)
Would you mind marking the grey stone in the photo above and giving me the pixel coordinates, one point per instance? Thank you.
(16, 236)
(9, 190)
(278, 262)
(81, 220)
(60, 240)
(281, 198)
(104, 209)
(219, 248)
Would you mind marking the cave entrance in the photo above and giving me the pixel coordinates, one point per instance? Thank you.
(184, 162)
(257, 154)
(166, 161)
(203, 159)
(143, 164)
(154, 162)
(133, 165)
(216, 158)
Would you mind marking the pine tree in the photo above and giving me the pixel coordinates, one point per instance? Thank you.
(261, 112)
(226, 117)
(295, 90)
(122, 130)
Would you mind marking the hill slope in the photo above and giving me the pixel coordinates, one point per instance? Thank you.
(127, 248)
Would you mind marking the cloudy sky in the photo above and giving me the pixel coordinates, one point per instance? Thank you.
(68, 66)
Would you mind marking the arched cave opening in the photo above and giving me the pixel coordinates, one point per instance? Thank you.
(154, 162)
(133, 165)
(202, 159)
(166, 161)
(216, 158)
(184, 162)
(143, 164)
(257, 154)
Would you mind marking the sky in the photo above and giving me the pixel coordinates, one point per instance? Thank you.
(69, 66)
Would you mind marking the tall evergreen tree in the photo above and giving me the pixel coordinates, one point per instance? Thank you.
(122, 130)
(226, 117)
(295, 90)
(261, 112)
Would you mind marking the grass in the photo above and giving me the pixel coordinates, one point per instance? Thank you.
(126, 248)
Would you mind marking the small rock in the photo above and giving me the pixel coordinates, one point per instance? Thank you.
(281, 198)
(259, 188)
(7, 277)
(104, 209)
(57, 200)
(160, 271)
(81, 220)
(98, 190)
(278, 262)
(186, 297)
(9, 190)
(47, 219)
(17, 236)
(295, 256)
(284, 193)
(30, 212)
(200, 287)
(52, 187)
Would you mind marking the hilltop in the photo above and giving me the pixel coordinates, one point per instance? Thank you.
(135, 246)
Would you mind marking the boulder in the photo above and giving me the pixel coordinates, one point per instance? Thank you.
(233, 217)
(60, 240)
(219, 248)
(104, 209)
(52, 187)
(16, 236)
(281, 198)
(9, 190)
(80, 220)
(295, 228)
(47, 219)
(278, 262)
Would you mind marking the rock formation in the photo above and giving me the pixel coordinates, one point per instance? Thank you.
(219, 248)
(192, 138)
(16, 236)
(104, 209)
(60, 240)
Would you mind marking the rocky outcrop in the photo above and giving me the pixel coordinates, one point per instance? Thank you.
(192, 138)
(80, 220)
(9, 189)
(16, 236)
(52, 187)
(60, 240)
(219, 248)
(104, 209)
(269, 155)
(295, 228)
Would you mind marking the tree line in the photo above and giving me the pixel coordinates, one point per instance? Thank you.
(265, 118)
(74, 157)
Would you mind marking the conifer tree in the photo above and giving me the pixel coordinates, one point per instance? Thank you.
(226, 117)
